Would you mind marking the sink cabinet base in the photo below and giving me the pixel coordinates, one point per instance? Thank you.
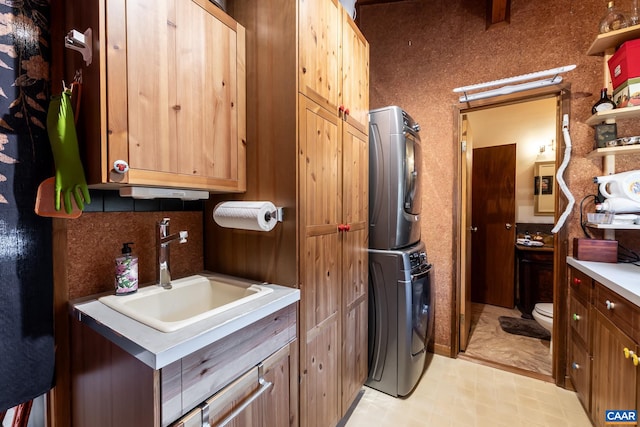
(110, 387)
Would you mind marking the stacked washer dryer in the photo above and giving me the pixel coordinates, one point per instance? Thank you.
(400, 291)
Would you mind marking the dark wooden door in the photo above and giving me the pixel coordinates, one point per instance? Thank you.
(493, 214)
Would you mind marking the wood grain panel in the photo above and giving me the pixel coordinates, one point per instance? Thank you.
(355, 74)
(271, 149)
(579, 320)
(623, 313)
(354, 352)
(318, 50)
(580, 371)
(109, 386)
(614, 376)
(319, 377)
(151, 121)
(207, 118)
(355, 212)
(493, 199)
(206, 371)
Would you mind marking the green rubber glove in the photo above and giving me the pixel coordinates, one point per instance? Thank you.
(64, 143)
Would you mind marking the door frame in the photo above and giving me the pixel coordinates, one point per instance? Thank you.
(560, 240)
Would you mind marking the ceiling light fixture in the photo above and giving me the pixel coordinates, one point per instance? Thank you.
(508, 89)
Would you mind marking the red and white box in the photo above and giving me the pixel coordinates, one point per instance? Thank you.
(625, 63)
(627, 94)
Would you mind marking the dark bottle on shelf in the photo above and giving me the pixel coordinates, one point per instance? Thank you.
(604, 103)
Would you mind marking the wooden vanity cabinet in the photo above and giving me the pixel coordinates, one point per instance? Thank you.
(603, 347)
(245, 376)
(534, 274)
(579, 342)
(165, 93)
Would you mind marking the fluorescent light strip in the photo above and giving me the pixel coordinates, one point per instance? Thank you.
(505, 90)
(515, 79)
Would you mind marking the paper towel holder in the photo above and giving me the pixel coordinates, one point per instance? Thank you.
(277, 214)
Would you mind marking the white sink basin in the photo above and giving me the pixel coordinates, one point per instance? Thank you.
(190, 300)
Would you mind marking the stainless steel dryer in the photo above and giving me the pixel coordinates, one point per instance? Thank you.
(400, 318)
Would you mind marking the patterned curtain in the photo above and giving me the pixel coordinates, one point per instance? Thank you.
(26, 283)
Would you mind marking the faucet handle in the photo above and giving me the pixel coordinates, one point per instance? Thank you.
(183, 236)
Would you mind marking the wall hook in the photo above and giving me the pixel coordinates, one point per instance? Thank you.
(81, 42)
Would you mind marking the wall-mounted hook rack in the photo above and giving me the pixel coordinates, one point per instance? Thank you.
(82, 42)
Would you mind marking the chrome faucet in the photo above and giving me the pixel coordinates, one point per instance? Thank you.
(163, 239)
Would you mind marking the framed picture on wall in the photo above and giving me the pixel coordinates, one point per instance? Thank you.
(543, 185)
(543, 196)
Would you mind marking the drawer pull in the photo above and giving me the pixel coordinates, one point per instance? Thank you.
(575, 366)
(576, 281)
(609, 305)
(576, 316)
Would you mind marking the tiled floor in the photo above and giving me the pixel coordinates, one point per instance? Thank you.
(489, 342)
(456, 392)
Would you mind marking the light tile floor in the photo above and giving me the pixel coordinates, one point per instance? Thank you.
(456, 392)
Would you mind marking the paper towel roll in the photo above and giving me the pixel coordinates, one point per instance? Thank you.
(258, 216)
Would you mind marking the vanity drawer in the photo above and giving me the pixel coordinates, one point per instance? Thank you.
(617, 309)
(192, 379)
(580, 284)
(579, 319)
(580, 372)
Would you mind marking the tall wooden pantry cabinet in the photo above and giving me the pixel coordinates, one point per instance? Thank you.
(307, 151)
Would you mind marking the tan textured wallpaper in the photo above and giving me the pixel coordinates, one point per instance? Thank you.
(421, 50)
(95, 239)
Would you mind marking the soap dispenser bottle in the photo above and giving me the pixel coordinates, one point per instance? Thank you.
(126, 271)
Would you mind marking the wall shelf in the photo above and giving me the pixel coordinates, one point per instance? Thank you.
(608, 151)
(615, 114)
(614, 226)
(613, 39)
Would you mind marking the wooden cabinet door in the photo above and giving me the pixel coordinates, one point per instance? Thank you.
(175, 98)
(355, 75)
(320, 281)
(318, 51)
(320, 212)
(614, 376)
(355, 202)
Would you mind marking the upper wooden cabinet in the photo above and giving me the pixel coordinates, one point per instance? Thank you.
(319, 51)
(166, 93)
(334, 61)
(355, 75)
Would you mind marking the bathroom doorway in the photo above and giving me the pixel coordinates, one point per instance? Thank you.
(532, 126)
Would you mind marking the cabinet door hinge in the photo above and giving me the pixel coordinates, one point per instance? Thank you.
(463, 146)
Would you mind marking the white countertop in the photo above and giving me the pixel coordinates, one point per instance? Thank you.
(622, 278)
(158, 349)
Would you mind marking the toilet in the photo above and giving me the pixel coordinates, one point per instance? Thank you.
(543, 314)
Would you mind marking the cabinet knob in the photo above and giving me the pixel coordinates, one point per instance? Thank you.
(635, 359)
(576, 316)
(609, 305)
(627, 352)
(576, 281)
(120, 166)
(575, 366)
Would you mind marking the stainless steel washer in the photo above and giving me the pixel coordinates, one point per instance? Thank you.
(400, 318)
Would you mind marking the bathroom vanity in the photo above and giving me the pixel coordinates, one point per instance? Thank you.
(235, 365)
(534, 277)
(604, 336)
